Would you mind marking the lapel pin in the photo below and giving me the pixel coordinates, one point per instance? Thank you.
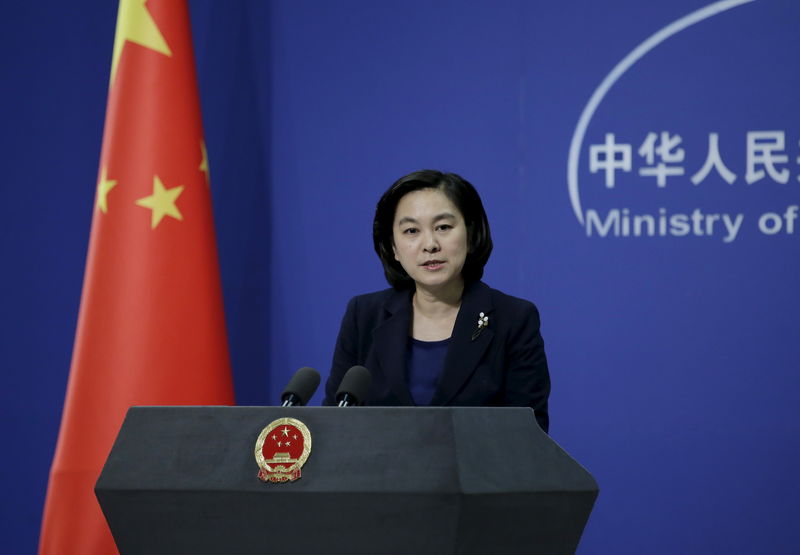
(483, 322)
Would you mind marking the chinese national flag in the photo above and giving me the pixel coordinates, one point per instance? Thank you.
(151, 329)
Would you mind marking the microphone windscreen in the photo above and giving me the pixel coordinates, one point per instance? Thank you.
(356, 383)
(303, 384)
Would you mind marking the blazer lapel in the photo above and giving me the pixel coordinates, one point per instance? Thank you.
(465, 353)
(390, 340)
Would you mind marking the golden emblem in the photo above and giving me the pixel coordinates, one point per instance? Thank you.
(282, 449)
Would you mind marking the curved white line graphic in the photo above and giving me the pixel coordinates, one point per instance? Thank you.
(616, 73)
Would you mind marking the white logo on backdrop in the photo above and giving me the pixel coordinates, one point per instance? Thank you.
(661, 157)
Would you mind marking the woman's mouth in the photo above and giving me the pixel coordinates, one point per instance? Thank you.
(432, 264)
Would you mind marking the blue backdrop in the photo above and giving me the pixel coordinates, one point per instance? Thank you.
(639, 165)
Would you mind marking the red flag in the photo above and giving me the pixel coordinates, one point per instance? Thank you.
(151, 325)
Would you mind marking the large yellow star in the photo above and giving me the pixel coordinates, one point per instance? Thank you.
(204, 164)
(162, 202)
(103, 187)
(135, 24)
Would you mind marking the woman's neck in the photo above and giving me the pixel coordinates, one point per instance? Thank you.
(435, 312)
(433, 303)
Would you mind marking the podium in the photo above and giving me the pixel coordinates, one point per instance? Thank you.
(378, 480)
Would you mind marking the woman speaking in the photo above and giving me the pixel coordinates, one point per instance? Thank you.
(440, 336)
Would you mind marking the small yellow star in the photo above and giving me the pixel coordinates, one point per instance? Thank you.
(135, 24)
(162, 202)
(204, 163)
(103, 187)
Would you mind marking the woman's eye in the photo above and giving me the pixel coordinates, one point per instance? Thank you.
(445, 227)
(410, 231)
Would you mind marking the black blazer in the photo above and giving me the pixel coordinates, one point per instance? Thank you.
(504, 365)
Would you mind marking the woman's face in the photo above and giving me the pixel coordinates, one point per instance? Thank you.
(430, 239)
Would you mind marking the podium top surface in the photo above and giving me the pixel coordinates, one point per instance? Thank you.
(444, 450)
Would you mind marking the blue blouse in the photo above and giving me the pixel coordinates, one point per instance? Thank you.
(424, 364)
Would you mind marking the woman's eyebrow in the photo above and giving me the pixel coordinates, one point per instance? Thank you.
(436, 218)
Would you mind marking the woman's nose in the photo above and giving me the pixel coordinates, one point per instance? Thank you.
(431, 244)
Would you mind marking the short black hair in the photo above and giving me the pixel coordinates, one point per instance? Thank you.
(462, 194)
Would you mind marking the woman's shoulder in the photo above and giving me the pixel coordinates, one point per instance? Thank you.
(509, 303)
(370, 302)
(511, 315)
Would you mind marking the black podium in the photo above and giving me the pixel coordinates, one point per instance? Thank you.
(377, 481)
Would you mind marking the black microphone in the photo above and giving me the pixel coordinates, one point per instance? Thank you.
(354, 387)
(301, 387)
